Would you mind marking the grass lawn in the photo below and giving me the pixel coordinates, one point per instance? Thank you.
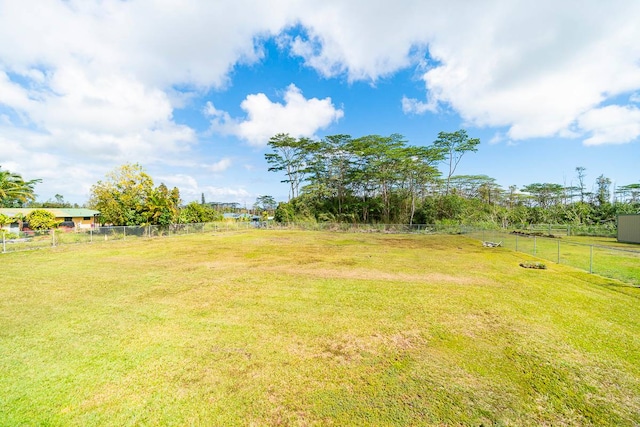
(601, 255)
(267, 327)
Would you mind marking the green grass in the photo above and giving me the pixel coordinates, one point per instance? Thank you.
(607, 258)
(307, 328)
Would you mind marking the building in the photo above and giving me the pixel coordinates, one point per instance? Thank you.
(81, 218)
(629, 228)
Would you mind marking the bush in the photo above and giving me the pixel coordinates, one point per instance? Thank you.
(534, 265)
(40, 219)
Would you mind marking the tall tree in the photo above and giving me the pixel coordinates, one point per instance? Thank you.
(15, 191)
(545, 194)
(289, 155)
(380, 160)
(417, 168)
(162, 206)
(265, 203)
(581, 186)
(454, 145)
(121, 198)
(603, 194)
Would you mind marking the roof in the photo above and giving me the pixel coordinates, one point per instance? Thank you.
(57, 212)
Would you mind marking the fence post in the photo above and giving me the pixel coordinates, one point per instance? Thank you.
(124, 232)
(90, 236)
(516, 243)
(534, 245)
(4, 243)
(53, 237)
(591, 259)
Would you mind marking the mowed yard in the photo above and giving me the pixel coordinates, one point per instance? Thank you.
(295, 328)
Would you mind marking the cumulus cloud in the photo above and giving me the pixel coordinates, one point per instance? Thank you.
(191, 189)
(221, 165)
(533, 67)
(297, 116)
(97, 82)
(612, 124)
(364, 39)
(413, 106)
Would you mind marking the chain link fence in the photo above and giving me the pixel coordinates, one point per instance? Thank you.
(617, 261)
(621, 262)
(24, 241)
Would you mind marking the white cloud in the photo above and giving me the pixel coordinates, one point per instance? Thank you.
(366, 39)
(191, 189)
(612, 124)
(534, 67)
(89, 84)
(298, 117)
(413, 106)
(221, 165)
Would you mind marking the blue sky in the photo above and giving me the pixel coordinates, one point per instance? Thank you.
(192, 90)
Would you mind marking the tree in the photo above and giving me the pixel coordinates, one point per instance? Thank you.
(289, 156)
(265, 203)
(162, 206)
(581, 186)
(15, 191)
(545, 194)
(453, 146)
(5, 220)
(40, 219)
(603, 194)
(417, 168)
(629, 193)
(121, 198)
(195, 213)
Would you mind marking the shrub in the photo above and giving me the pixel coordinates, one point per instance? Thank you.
(534, 265)
(39, 219)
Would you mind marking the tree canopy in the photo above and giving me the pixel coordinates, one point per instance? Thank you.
(377, 178)
(14, 190)
(41, 219)
(127, 197)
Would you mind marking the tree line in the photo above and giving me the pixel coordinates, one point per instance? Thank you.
(383, 179)
(369, 179)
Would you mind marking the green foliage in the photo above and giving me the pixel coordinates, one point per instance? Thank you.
(265, 203)
(57, 202)
(162, 206)
(382, 179)
(15, 191)
(453, 146)
(195, 213)
(533, 264)
(545, 194)
(5, 220)
(127, 197)
(9, 236)
(40, 219)
(288, 156)
(285, 213)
